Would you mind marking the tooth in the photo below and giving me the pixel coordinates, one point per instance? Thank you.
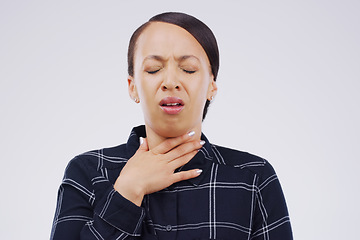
(172, 104)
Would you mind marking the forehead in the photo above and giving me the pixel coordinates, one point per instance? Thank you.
(166, 40)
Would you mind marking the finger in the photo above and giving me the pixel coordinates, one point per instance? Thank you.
(171, 143)
(185, 175)
(181, 161)
(184, 149)
(143, 145)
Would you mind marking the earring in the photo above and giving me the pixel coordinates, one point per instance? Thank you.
(136, 100)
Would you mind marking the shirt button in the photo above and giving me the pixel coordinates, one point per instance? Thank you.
(168, 228)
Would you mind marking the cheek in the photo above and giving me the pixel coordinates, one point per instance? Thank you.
(146, 88)
(199, 92)
(204, 87)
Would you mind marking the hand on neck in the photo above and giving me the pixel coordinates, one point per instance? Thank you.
(154, 138)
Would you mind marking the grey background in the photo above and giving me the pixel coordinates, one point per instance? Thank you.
(288, 91)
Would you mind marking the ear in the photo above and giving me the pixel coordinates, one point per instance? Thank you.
(212, 91)
(132, 89)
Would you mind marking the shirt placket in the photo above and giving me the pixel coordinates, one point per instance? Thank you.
(171, 223)
(164, 207)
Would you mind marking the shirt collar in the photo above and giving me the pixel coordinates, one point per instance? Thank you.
(202, 160)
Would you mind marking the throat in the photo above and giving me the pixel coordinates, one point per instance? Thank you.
(155, 136)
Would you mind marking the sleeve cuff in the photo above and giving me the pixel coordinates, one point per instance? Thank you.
(120, 213)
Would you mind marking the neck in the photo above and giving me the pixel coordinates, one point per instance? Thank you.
(154, 138)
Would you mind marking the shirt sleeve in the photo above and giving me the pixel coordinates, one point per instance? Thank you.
(271, 218)
(88, 207)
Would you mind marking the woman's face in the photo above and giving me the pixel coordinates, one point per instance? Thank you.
(172, 79)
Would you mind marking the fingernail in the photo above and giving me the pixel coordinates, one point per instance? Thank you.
(141, 140)
(192, 133)
(199, 171)
(202, 142)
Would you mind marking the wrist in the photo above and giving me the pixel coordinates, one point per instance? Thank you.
(129, 191)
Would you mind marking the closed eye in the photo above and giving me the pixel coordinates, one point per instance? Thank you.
(153, 72)
(188, 71)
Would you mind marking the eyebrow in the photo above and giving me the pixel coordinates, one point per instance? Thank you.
(154, 57)
(182, 58)
(161, 59)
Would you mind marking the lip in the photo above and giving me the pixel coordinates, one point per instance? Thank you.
(172, 105)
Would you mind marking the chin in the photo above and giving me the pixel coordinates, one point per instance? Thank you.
(173, 126)
(171, 131)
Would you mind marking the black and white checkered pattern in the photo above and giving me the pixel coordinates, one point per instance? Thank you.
(237, 196)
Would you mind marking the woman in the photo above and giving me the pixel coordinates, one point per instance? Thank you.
(176, 184)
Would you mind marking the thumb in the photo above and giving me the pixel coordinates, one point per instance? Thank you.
(143, 144)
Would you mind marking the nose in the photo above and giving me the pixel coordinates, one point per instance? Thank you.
(170, 81)
(165, 87)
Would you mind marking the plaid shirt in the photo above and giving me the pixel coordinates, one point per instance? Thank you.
(237, 196)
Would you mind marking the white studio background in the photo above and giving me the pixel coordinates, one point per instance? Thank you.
(289, 86)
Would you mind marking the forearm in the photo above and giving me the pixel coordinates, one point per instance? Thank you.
(91, 209)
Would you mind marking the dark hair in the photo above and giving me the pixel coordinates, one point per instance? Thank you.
(195, 27)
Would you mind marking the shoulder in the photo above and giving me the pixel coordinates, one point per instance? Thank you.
(243, 160)
(95, 160)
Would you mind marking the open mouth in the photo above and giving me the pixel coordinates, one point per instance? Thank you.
(172, 105)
